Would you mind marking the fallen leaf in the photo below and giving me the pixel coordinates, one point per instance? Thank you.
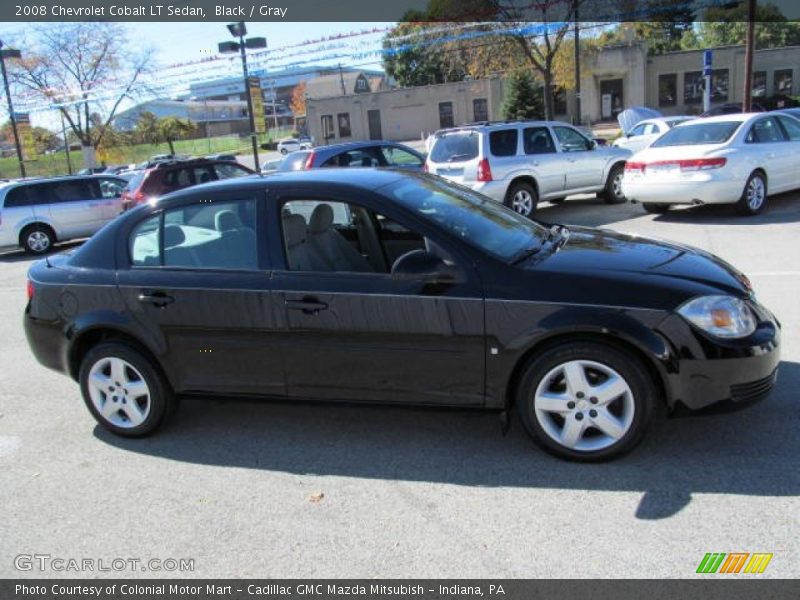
(316, 497)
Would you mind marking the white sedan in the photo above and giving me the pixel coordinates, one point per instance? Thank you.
(646, 132)
(292, 145)
(729, 159)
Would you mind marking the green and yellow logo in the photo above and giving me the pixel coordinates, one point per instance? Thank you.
(734, 562)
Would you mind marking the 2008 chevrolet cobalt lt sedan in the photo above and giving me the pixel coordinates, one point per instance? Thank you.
(382, 286)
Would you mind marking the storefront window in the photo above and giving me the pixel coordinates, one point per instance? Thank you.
(783, 82)
(693, 87)
(667, 89)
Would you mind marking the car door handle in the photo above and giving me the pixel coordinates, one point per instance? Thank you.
(309, 306)
(157, 299)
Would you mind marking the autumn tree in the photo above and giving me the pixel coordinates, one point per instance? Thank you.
(298, 102)
(151, 129)
(86, 69)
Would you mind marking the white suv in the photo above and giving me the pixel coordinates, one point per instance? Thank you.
(519, 163)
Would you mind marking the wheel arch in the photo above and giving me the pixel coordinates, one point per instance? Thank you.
(645, 353)
(86, 339)
(614, 162)
(529, 179)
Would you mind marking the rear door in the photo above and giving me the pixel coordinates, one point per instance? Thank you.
(74, 209)
(544, 161)
(194, 276)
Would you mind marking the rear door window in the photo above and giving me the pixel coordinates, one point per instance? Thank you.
(455, 147)
(503, 142)
(537, 140)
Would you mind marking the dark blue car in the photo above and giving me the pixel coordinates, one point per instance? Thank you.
(355, 154)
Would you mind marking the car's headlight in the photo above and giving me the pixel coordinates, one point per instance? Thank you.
(721, 316)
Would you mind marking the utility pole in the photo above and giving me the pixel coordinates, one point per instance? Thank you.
(66, 141)
(747, 96)
(272, 95)
(577, 64)
(10, 53)
(341, 80)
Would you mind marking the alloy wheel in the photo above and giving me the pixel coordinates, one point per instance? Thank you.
(38, 241)
(616, 185)
(756, 192)
(522, 202)
(584, 405)
(119, 392)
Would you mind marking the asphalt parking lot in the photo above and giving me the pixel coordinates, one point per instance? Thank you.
(236, 486)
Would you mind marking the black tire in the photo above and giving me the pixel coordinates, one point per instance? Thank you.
(612, 194)
(655, 208)
(284, 151)
(638, 405)
(37, 239)
(744, 205)
(160, 397)
(523, 188)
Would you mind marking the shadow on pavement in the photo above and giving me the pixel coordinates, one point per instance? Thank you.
(750, 452)
(15, 256)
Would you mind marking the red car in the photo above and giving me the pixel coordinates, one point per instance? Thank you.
(169, 176)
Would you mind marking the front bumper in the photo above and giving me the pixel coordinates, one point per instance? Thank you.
(702, 189)
(708, 371)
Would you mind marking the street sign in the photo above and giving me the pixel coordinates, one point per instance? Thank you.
(26, 141)
(259, 124)
(708, 57)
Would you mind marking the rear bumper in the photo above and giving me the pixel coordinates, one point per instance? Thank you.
(702, 190)
(47, 341)
(496, 190)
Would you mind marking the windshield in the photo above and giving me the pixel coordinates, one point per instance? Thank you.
(698, 133)
(476, 219)
(455, 147)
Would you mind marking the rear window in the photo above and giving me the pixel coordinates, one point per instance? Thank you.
(503, 142)
(455, 147)
(294, 161)
(17, 196)
(135, 182)
(698, 133)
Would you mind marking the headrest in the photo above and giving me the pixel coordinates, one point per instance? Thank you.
(173, 236)
(226, 220)
(321, 218)
(294, 227)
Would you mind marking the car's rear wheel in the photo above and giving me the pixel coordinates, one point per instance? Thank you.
(284, 151)
(612, 194)
(37, 239)
(586, 401)
(124, 392)
(655, 208)
(522, 198)
(754, 195)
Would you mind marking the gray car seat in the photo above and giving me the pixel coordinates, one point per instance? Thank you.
(236, 246)
(331, 245)
(300, 255)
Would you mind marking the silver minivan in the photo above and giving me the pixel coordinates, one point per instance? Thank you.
(519, 163)
(37, 213)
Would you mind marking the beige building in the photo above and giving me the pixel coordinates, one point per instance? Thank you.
(618, 77)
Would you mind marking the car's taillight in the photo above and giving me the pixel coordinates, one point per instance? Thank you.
(701, 164)
(310, 161)
(30, 289)
(484, 171)
(634, 166)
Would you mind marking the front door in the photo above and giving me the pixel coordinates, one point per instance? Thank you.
(374, 119)
(611, 98)
(195, 286)
(351, 330)
(583, 164)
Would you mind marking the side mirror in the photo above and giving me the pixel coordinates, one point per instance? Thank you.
(421, 265)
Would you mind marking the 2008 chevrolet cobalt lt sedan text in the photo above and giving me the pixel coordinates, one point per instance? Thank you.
(381, 286)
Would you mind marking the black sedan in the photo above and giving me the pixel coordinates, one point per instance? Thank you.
(382, 286)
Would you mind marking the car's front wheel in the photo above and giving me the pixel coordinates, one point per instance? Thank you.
(585, 401)
(754, 196)
(522, 198)
(284, 151)
(124, 392)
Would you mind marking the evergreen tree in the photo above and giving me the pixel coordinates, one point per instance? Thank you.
(523, 97)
